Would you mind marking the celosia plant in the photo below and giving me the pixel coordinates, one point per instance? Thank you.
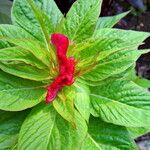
(66, 80)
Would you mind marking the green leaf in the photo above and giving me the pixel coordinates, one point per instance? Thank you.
(132, 75)
(136, 132)
(18, 55)
(10, 124)
(64, 104)
(90, 144)
(109, 22)
(110, 137)
(25, 71)
(108, 41)
(15, 147)
(44, 22)
(114, 77)
(122, 102)
(128, 36)
(113, 53)
(18, 94)
(45, 129)
(112, 65)
(101, 50)
(145, 83)
(11, 31)
(31, 18)
(34, 47)
(50, 8)
(28, 71)
(82, 100)
(81, 19)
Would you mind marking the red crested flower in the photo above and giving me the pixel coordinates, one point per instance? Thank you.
(66, 67)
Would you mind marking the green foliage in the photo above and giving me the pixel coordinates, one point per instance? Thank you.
(107, 106)
(77, 25)
(82, 100)
(119, 101)
(18, 94)
(48, 130)
(10, 124)
(117, 136)
(64, 104)
(108, 22)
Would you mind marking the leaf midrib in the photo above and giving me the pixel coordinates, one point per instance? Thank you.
(117, 102)
(94, 141)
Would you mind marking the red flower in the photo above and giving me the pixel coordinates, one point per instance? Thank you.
(66, 67)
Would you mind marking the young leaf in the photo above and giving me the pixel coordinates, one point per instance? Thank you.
(108, 49)
(10, 124)
(18, 94)
(64, 104)
(109, 22)
(122, 102)
(123, 75)
(112, 65)
(110, 137)
(81, 19)
(82, 100)
(45, 129)
(107, 41)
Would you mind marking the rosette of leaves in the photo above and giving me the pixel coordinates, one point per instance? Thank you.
(103, 109)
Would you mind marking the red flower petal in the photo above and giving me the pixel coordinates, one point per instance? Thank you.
(66, 67)
(53, 89)
(61, 43)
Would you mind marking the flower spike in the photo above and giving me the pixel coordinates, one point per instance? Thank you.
(66, 67)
